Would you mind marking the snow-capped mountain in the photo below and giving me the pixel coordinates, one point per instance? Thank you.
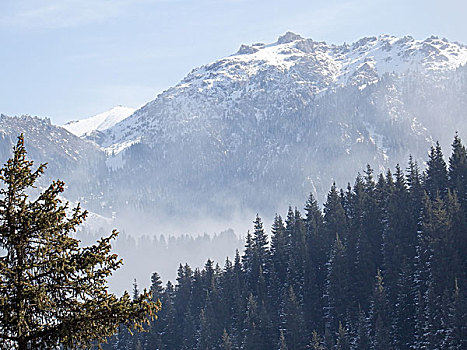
(266, 125)
(292, 65)
(99, 122)
(261, 128)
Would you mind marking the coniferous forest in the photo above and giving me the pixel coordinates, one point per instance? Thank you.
(383, 265)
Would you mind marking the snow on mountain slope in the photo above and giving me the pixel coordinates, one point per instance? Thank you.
(99, 122)
(263, 127)
(68, 157)
(292, 65)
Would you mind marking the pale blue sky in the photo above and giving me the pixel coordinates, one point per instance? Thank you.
(69, 59)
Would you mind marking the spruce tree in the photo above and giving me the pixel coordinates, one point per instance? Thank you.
(317, 245)
(335, 220)
(316, 342)
(294, 322)
(436, 182)
(457, 324)
(154, 335)
(379, 317)
(226, 342)
(282, 342)
(342, 342)
(52, 291)
(337, 288)
(297, 255)
(458, 171)
(278, 256)
(252, 335)
(168, 318)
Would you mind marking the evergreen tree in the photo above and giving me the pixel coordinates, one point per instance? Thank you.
(239, 304)
(316, 342)
(334, 215)
(278, 259)
(226, 342)
(294, 323)
(317, 246)
(168, 318)
(297, 254)
(362, 340)
(457, 323)
(260, 243)
(248, 255)
(154, 336)
(458, 171)
(205, 338)
(365, 243)
(282, 342)
(436, 182)
(337, 288)
(403, 308)
(53, 292)
(252, 335)
(259, 261)
(379, 318)
(399, 242)
(342, 339)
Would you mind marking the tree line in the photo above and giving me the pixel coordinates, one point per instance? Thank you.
(382, 266)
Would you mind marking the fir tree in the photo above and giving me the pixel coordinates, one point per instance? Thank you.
(458, 171)
(342, 339)
(379, 318)
(318, 246)
(334, 215)
(278, 258)
(154, 335)
(282, 342)
(52, 291)
(294, 323)
(297, 254)
(316, 342)
(436, 182)
(457, 323)
(252, 335)
(168, 318)
(226, 342)
(337, 288)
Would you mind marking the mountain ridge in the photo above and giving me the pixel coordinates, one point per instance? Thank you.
(258, 130)
(317, 66)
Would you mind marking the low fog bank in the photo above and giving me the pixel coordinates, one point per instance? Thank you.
(193, 223)
(144, 255)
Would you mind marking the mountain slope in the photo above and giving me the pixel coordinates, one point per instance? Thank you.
(293, 65)
(259, 129)
(79, 163)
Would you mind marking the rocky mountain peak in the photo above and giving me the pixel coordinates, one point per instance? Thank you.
(288, 38)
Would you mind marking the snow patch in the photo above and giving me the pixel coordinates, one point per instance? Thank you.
(99, 122)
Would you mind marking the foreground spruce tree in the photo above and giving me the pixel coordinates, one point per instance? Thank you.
(53, 292)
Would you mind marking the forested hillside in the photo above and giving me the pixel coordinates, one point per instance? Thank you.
(382, 266)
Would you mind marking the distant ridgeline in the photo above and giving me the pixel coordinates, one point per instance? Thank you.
(383, 266)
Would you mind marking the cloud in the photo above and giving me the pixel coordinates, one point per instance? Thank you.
(53, 14)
